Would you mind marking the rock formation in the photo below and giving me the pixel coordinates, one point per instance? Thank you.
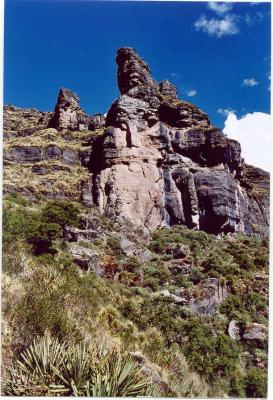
(154, 160)
(68, 114)
(160, 162)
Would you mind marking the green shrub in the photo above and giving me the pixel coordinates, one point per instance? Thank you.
(209, 354)
(61, 212)
(232, 306)
(114, 243)
(41, 236)
(237, 385)
(17, 198)
(256, 383)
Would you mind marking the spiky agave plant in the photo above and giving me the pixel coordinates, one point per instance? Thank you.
(49, 367)
(33, 373)
(118, 375)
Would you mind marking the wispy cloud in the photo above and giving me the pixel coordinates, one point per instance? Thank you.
(254, 18)
(220, 8)
(225, 23)
(218, 27)
(175, 75)
(191, 92)
(225, 111)
(250, 82)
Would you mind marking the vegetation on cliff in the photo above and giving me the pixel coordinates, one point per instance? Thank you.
(163, 320)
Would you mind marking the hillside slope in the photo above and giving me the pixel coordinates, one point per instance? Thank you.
(191, 308)
(134, 245)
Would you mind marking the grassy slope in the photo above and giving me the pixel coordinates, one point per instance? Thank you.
(191, 352)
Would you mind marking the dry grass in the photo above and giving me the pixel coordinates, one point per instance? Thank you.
(65, 183)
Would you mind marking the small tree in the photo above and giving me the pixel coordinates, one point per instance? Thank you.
(256, 383)
(61, 212)
(41, 236)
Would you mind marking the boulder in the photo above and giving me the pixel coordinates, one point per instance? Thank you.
(178, 250)
(211, 293)
(234, 330)
(176, 299)
(85, 258)
(255, 331)
(23, 154)
(131, 249)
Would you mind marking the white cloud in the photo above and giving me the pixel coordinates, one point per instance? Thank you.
(217, 27)
(191, 93)
(253, 131)
(220, 8)
(254, 18)
(250, 82)
(225, 111)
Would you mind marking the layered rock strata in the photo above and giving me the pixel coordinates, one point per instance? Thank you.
(160, 162)
(153, 161)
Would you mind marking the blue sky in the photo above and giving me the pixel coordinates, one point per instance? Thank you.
(218, 56)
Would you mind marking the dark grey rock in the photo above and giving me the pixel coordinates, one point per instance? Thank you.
(23, 154)
(85, 258)
(53, 152)
(71, 156)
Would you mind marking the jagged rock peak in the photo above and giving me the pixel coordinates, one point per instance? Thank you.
(160, 162)
(67, 98)
(168, 89)
(132, 70)
(67, 113)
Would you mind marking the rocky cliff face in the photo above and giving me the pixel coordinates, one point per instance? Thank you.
(161, 162)
(154, 160)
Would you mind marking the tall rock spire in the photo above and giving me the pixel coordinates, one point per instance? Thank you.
(160, 161)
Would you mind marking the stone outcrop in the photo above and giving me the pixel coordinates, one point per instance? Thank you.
(234, 330)
(154, 160)
(19, 122)
(160, 162)
(255, 331)
(67, 114)
(85, 258)
(96, 121)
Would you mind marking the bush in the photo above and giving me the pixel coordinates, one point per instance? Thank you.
(17, 198)
(61, 212)
(232, 306)
(41, 236)
(256, 383)
(237, 385)
(208, 354)
(114, 243)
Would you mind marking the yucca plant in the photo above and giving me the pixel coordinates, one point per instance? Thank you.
(118, 375)
(51, 368)
(74, 370)
(33, 373)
